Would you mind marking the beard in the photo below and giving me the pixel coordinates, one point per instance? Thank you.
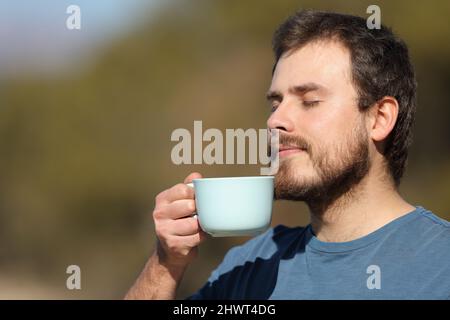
(336, 169)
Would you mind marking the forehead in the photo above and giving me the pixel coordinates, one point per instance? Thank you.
(324, 62)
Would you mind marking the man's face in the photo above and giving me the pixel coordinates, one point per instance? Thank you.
(323, 137)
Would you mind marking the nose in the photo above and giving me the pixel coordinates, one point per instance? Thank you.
(281, 119)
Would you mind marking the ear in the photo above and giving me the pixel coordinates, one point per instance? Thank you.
(383, 116)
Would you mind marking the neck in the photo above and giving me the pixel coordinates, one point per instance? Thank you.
(366, 207)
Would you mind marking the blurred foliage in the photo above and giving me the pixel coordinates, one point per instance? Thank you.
(83, 154)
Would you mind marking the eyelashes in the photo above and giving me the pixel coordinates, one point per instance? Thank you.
(311, 103)
(305, 103)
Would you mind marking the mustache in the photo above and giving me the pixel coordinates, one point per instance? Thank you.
(287, 140)
(294, 141)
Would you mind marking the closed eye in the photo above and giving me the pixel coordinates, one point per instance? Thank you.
(311, 103)
(273, 107)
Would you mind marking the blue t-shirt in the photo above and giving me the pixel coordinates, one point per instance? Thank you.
(408, 258)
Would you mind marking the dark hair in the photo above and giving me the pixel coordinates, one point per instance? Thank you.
(380, 67)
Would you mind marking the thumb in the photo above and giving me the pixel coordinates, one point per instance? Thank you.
(192, 176)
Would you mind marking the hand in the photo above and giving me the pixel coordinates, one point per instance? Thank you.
(178, 231)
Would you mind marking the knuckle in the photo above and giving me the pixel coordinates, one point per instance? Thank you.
(160, 197)
(161, 231)
(184, 192)
(158, 213)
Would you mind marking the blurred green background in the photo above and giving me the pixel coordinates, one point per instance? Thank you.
(86, 117)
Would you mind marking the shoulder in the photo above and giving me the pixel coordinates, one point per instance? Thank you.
(428, 232)
(432, 225)
(433, 219)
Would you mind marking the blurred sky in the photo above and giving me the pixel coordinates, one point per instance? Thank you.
(34, 37)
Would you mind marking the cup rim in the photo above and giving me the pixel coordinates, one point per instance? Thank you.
(234, 178)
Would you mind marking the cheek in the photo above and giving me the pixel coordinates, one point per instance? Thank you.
(324, 132)
(332, 124)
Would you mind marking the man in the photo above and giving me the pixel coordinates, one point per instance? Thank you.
(343, 99)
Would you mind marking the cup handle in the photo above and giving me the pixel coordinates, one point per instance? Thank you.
(190, 184)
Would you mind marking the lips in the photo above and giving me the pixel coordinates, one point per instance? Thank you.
(289, 150)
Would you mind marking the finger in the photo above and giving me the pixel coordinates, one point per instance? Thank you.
(179, 191)
(193, 240)
(176, 210)
(185, 227)
(192, 176)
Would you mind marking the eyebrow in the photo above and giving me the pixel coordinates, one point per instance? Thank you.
(298, 90)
